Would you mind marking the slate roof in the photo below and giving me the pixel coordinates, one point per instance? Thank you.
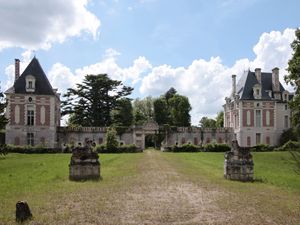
(42, 84)
(248, 80)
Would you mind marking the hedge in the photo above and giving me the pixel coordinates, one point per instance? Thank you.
(215, 147)
(30, 149)
(289, 146)
(262, 148)
(120, 149)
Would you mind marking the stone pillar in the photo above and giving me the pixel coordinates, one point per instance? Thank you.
(238, 164)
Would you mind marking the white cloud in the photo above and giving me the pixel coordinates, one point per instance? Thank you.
(62, 77)
(206, 83)
(35, 24)
(10, 69)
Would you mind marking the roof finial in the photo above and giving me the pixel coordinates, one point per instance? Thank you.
(34, 54)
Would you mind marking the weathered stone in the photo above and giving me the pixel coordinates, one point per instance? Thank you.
(238, 164)
(22, 211)
(84, 164)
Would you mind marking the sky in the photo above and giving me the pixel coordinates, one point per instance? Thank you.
(151, 45)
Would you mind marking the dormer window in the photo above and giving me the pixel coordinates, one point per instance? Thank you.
(30, 83)
(257, 91)
(285, 96)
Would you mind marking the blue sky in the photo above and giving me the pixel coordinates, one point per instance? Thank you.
(193, 45)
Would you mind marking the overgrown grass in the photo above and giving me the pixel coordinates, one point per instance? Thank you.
(35, 177)
(42, 180)
(271, 168)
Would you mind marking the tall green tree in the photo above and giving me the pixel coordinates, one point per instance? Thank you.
(123, 114)
(206, 122)
(293, 78)
(220, 119)
(91, 102)
(3, 120)
(161, 111)
(170, 94)
(180, 110)
(143, 110)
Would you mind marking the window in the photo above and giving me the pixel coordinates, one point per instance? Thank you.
(257, 92)
(285, 107)
(30, 139)
(258, 118)
(268, 118)
(258, 138)
(248, 118)
(30, 83)
(286, 121)
(30, 117)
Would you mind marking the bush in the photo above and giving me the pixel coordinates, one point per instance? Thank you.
(289, 146)
(120, 149)
(111, 140)
(287, 135)
(261, 148)
(183, 148)
(31, 149)
(3, 150)
(214, 147)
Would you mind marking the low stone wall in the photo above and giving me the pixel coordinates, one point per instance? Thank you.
(238, 164)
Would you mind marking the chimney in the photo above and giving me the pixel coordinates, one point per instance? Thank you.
(17, 69)
(275, 80)
(233, 85)
(258, 75)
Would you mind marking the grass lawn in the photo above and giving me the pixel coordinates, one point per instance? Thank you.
(151, 188)
(270, 168)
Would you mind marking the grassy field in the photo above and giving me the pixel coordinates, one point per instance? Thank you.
(151, 188)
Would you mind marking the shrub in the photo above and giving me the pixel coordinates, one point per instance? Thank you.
(183, 148)
(261, 148)
(287, 135)
(111, 140)
(120, 149)
(31, 149)
(3, 150)
(289, 146)
(100, 148)
(214, 147)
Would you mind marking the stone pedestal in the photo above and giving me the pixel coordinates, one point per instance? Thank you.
(238, 164)
(22, 212)
(84, 164)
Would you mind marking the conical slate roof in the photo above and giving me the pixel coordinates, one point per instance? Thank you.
(42, 84)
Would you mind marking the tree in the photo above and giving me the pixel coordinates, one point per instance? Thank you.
(293, 78)
(206, 122)
(220, 119)
(180, 111)
(123, 114)
(111, 139)
(91, 103)
(3, 120)
(161, 111)
(170, 94)
(143, 110)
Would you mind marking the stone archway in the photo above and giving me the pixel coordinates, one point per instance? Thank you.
(140, 133)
